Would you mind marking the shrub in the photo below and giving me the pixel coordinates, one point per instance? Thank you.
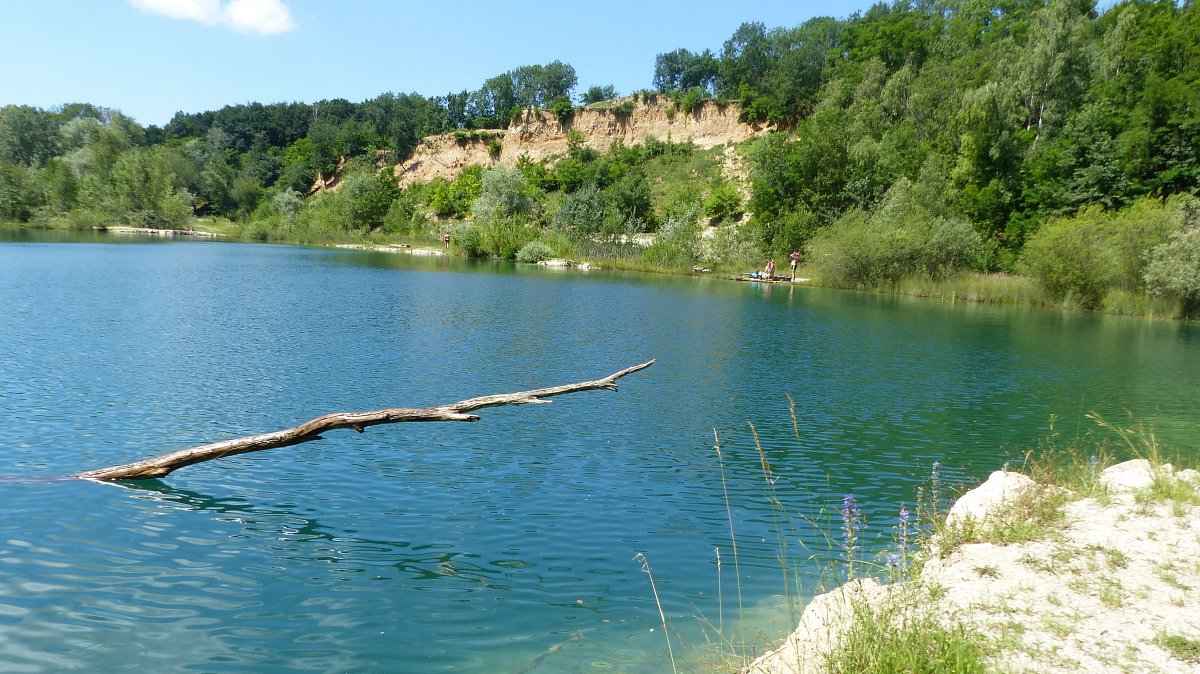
(691, 99)
(723, 203)
(453, 199)
(581, 212)
(1173, 269)
(1080, 258)
(678, 242)
(500, 238)
(503, 193)
(562, 108)
(534, 251)
(900, 239)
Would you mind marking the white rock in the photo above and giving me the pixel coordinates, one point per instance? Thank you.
(821, 625)
(1189, 475)
(1128, 476)
(1002, 487)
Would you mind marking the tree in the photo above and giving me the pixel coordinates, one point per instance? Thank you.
(595, 94)
(28, 135)
(1173, 267)
(368, 197)
(1049, 74)
(18, 196)
(581, 212)
(503, 194)
(682, 70)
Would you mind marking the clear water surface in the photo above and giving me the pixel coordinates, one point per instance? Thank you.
(505, 545)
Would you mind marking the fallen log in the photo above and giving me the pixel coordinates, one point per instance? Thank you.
(359, 421)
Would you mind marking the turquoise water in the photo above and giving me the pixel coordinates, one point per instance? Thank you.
(501, 546)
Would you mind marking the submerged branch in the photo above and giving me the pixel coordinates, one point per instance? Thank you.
(359, 421)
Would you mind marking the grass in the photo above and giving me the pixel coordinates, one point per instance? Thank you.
(972, 287)
(1179, 646)
(905, 638)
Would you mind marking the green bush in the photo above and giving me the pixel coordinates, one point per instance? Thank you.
(581, 212)
(534, 251)
(562, 108)
(503, 193)
(1072, 259)
(500, 238)
(678, 242)
(900, 239)
(1173, 269)
(1080, 258)
(723, 203)
(453, 199)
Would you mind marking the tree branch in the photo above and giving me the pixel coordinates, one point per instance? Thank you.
(359, 421)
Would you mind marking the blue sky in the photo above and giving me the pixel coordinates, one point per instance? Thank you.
(151, 58)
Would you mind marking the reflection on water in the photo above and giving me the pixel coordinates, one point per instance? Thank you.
(501, 546)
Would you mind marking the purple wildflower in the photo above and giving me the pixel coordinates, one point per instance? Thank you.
(852, 524)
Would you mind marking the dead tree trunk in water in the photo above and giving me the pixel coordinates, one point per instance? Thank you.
(311, 430)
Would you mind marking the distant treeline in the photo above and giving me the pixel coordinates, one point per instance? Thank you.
(990, 119)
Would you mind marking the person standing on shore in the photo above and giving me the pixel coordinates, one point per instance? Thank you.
(795, 257)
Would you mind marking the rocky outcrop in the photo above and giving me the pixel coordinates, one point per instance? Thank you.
(1096, 595)
(445, 156)
(540, 135)
(990, 498)
(822, 624)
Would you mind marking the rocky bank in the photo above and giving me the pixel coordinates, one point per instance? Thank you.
(1095, 595)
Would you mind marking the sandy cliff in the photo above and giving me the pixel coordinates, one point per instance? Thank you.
(539, 135)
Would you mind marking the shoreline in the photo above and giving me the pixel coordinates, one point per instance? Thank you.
(946, 295)
(1100, 592)
(150, 231)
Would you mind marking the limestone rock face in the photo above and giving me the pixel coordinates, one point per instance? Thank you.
(824, 620)
(539, 134)
(1131, 476)
(989, 498)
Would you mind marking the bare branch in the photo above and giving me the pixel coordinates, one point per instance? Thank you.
(359, 421)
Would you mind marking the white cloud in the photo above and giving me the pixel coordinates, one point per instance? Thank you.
(267, 17)
(259, 16)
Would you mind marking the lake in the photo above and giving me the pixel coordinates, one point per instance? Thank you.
(505, 545)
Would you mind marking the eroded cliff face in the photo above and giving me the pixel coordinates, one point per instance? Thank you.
(539, 135)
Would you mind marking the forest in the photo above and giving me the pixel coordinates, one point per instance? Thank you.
(918, 140)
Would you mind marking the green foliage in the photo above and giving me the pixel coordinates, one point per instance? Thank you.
(581, 212)
(534, 251)
(681, 70)
(368, 198)
(453, 199)
(901, 239)
(732, 247)
(595, 94)
(28, 136)
(1080, 258)
(503, 194)
(723, 203)
(562, 108)
(501, 238)
(1173, 267)
(689, 100)
(678, 243)
(1181, 647)
(903, 638)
